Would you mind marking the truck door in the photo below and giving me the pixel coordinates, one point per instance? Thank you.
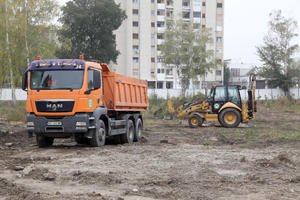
(95, 87)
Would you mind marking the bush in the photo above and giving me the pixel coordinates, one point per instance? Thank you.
(13, 113)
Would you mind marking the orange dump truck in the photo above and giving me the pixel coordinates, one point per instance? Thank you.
(82, 99)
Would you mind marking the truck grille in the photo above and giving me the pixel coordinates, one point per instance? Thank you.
(54, 105)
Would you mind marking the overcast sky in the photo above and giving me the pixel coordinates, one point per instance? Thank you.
(246, 23)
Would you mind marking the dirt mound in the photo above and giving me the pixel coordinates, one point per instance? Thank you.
(281, 160)
(89, 178)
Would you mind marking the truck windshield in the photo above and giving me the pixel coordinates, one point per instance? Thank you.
(56, 79)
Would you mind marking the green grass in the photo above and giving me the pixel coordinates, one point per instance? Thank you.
(283, 104)
(13, 113)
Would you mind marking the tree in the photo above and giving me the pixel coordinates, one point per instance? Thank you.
(87, 29)
(226, 73)
(186, 50)
(25, 32)
(277, 52)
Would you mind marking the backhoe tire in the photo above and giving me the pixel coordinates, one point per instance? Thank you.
(195, 121)
(128, 137)
(138, 130)
(43, 141)
(99, 134)
(230, 118)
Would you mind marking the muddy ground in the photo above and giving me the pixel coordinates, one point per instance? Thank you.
(260, 160)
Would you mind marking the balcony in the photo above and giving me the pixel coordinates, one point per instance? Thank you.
(161, 6)
(160, 18)
(160, 41)
(161, 29)
(197, 20)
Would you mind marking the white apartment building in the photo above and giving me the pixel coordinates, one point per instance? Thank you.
(141, 34)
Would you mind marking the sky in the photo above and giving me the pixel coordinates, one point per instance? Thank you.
(246, 24)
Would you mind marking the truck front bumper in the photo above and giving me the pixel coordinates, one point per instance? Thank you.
(58, 126)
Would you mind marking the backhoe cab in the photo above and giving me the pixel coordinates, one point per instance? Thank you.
(224, 104)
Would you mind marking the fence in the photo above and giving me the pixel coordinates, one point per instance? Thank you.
(261, 94)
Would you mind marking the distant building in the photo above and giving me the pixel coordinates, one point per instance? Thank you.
(141, 34)
(239, 74)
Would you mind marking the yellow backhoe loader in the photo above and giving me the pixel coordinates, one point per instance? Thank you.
(224, 104)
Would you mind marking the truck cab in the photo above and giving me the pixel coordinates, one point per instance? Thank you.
(66, 98)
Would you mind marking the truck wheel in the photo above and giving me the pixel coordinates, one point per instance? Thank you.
(138, 130)
(195, 121)
(80, 139)
(99, 134)
(43, 141)
(230, 118)
(128, 137)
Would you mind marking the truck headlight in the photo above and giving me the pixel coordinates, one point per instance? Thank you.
(30, 123)
(80, 123)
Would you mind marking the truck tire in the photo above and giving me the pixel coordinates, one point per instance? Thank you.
(80, 139)
(195, 121)
(138, 130)
(99, 134)
(43, 141)
(128, 137)
(230, 118)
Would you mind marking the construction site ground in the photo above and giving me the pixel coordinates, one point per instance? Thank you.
(257, 161)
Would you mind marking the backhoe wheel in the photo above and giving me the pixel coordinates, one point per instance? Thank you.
(195, 121)
(230, 118)
(43, 141)
(128, 137)
(138, 130)
(99, 134)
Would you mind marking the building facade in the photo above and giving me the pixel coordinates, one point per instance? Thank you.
(141, 34)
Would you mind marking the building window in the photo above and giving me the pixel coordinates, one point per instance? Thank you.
(153, 48)
(219, 39)
(135, 59)
(153, 36)
(135, 48)
(186, 15)
(160, 59)
(161, 12)
(160, 36)
(218, 50)
(204, 3)
(152, 24)
(135, 11)
(152, 1)
(197, 14)
(160, 1)
(203, 26)
(235, 72)
(135, 1)
(219, 73)
(203, 15)
(135, 36)
(160, 84)
(160, 71)
(151, 84)
(135, 24)
(153, 60)
(153, 12)
(169, 85)
(158, 47)
(260, 84)
(219, 5)
(169, 72)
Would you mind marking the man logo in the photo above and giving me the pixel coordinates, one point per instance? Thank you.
(54, 107)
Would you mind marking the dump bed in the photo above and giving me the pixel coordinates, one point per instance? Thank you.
(122, 93)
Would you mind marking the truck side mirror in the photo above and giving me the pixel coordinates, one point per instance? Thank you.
(97, 80)
(25, 81)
